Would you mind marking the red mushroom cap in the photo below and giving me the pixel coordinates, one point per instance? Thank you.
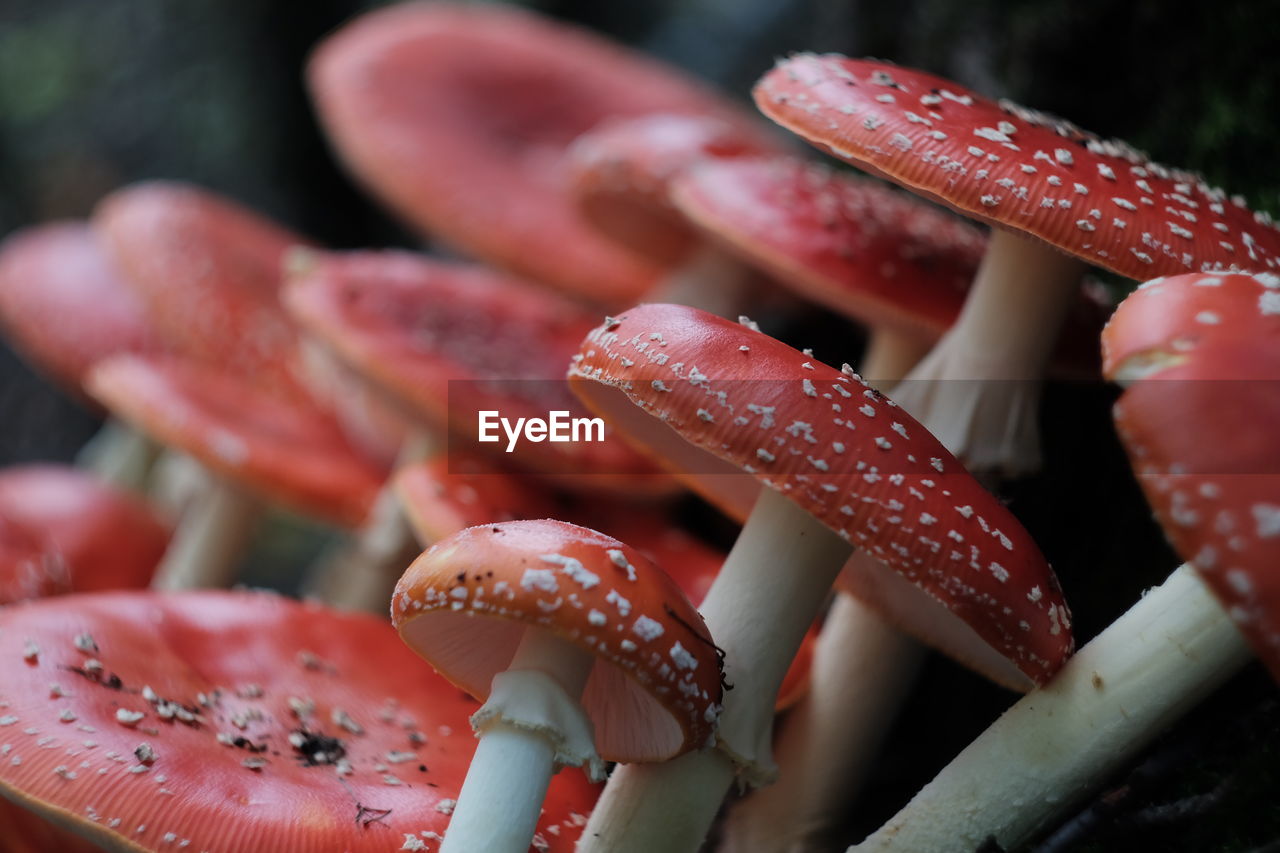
(1166, 320)
(211, 721)
(209, 272)
(1201, 436)
(108, 538)
(31, 566)
(285, 450)
(711, 398)
(450, 340)
(63, 304)
(488, 98)
(655, 690)
(1016, 168)
(621, 173)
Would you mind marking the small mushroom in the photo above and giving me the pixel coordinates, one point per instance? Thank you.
(581, 649)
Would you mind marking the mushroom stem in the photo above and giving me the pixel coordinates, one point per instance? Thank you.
(1162, 657)
(210, 539)
(758, 613)
(978, 389)
(523, 730)
(709, 279)
(120, 455)
(863, 668)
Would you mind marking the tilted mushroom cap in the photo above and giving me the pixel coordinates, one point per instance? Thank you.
(278, 448)
(877, 256)
(490, 97)
(31, 566)
(64, 306)
(621, 173)
(1016, 168)
(109, 539)
(449, 340)
(209, 272)
(1201, 435)
(713, 398)
(655, 689)
(1166, 320)
(213, 721)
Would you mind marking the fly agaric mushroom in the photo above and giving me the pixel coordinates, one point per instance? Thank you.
(219, 721)
(30, 564)
(839, 466)
(586, 652)
(491, 97)
(1057, 197)
(104, 538)
(64, 307)
(1217, 502)
(256, 444)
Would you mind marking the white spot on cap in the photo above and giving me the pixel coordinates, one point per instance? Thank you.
(647, 629)
(1267, 517)
(683, 659)
(541, 579)
(573, 568)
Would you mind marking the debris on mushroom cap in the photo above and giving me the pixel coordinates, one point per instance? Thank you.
(449, 340)
(239, 690)
(1201, 436)
(64, 306)
(277, 447)
(209, 272)
(840, 449)
(1166, 320)
(1017, 168)
(620, 173)
(656, 688)
(105, 538)
(492, 96)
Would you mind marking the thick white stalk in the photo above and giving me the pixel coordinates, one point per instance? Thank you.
(863, 667)
(770, 589)
(710, 280)
(1059, 742)
(498, 808)
(978, 389)
(210, 539)
(120, 456)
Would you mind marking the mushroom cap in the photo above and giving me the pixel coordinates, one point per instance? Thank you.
(490, 97)
(282, 449)
(1016, 168)
(620, 173)
(877, 256)
(1201, 436)
(655, 689)
(64, 306)
(1166, 320)
(448, 340)
(108, 538)
(713, 398)
(31, 566)
(353, 755)
(209, 272)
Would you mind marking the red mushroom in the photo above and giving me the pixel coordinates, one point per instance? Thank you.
(581, 650)
(490, 97)
(1058, 198)
(1217, 501)
(215, 721)
(841, 467)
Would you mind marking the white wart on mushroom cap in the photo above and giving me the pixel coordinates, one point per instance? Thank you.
(211, 721)
(654, 691)
(712, 399)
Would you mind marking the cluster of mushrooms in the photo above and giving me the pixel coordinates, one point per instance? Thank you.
(567, 618)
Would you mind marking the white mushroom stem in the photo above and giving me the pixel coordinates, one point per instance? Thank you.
(978, 389)
(210, 538)
(863, 668)
(531, 725)
(120, 455)
(709, 279)
(361, 574)
(1059, 742)
(771, 587)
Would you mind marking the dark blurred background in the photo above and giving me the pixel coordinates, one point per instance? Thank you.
(98, 93)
